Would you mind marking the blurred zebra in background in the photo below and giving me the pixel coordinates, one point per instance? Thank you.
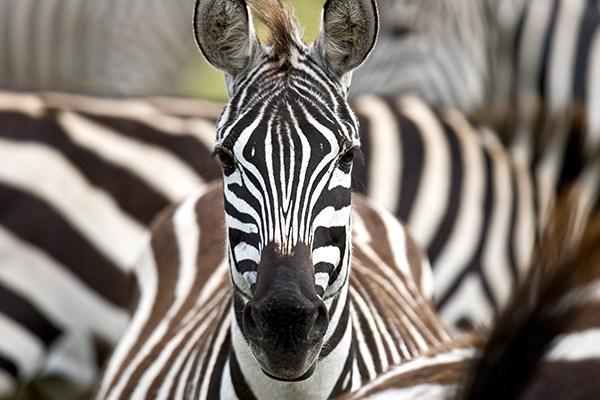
(109, 166)
(466, 53)
(475, 207)
(133, 47)
(481, 53)
(80, 180)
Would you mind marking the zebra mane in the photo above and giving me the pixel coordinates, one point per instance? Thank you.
(280, 20)
(563, 279)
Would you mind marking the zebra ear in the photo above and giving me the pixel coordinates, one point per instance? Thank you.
(348, 33)
(225, 34)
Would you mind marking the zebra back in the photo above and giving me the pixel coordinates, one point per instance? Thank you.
(438, 374)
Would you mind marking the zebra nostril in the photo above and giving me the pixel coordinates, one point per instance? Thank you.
(320, 325)
(251, 329)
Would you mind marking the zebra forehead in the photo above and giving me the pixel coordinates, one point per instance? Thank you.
(289, 113)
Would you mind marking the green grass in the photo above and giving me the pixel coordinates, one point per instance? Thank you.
(202, 80)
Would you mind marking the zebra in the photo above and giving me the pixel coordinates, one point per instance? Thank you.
(181, 329)
(543, 345)
(431, 148)
(372, 172)
(81, 180)
(476, 54)
(103, 48)
(289, 322)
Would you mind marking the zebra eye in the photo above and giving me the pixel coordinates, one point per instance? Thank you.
(225, 159)
(347, 157)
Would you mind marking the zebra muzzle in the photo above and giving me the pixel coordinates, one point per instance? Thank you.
(285, 321)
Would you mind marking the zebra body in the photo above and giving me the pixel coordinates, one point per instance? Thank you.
(476, 54)
(438, 375)
(185, 342)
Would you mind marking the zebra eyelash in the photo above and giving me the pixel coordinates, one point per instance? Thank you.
(347, 157)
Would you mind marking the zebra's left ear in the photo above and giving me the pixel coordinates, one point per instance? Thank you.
(348, 34)
(225, 34)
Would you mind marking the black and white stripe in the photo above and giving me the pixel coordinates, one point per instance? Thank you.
(108, 47)
(285, 142)
(474, 54)
(543, 345)
(475, 206)
(81, 179)
(410, 154)
(275, 91)
(185, 341)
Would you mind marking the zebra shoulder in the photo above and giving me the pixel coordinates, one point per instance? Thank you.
(183, 287)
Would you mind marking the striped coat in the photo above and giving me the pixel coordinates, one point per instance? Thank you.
(81, 179)
(136, 47)
(179, 344)
(431, 150)
(478, 55)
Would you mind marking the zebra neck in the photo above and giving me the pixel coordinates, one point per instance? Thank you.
(331, 375)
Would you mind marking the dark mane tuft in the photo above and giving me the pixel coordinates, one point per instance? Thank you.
(279, 18)
(543, 307)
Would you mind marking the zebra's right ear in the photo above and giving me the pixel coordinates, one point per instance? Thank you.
(225, 34)
(348, 33)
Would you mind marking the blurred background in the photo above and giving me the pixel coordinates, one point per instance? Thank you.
(112, 47)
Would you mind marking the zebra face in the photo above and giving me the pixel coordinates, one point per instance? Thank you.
(287, 164)
(286, 143)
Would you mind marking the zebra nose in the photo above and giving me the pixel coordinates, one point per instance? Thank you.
(289, 321)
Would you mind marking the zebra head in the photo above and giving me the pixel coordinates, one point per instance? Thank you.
(286, 142)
